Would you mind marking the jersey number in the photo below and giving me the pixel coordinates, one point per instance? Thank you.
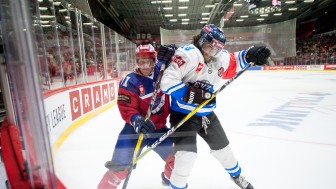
(125, 81)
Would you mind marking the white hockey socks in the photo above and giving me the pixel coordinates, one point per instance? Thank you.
(184, 162)
(226, 158)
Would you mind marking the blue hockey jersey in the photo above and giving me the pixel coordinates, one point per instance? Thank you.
(135, 93)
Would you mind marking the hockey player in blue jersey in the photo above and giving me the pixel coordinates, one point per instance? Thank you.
(134, 95)
(195, 72)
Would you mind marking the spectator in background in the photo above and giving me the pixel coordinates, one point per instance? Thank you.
(53, 67)
(114, 72)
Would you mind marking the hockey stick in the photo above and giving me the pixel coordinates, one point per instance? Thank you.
(149, 112)
(173, 129)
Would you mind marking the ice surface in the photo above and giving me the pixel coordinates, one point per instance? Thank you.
(281, 127)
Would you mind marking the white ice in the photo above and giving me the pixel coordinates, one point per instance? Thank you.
(281, 127)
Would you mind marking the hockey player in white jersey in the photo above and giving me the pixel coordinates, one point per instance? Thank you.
(191, 78)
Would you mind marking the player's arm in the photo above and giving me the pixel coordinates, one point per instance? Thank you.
(172, 79)
(257, 55)
(239, 60)
(128, 99)
(128, 104)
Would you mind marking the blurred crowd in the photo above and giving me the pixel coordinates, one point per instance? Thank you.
(320, 49)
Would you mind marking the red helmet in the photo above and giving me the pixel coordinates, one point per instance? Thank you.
(145, 51)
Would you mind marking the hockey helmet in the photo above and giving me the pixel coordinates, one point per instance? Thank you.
(213, 35)
(145, 51)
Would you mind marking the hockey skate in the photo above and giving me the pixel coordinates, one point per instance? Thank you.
(165, 181)
(112, 179)
(241, 182)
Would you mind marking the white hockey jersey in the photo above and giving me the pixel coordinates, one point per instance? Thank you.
(188, 68)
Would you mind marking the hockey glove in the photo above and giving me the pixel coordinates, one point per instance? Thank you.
(257, 54)
(165, 53)
(196, 95)
(140, 125)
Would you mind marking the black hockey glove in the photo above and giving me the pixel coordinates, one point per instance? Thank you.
(165, 53)
(196, 95)
(257, 54)
(140, 125)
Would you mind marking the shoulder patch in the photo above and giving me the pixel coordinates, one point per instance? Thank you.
(199, 67)
(141, 89)
(221, 72)
(178, 60)
(125, 98)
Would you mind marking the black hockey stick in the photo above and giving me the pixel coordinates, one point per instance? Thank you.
(149, 112)
(173, 129)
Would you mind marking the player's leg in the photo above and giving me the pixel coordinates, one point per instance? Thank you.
(218, 142)
(121, 158)
(185, 149)
(112, 179)
(165, 151)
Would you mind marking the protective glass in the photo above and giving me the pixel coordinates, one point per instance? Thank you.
(213, 47)
(210, 49)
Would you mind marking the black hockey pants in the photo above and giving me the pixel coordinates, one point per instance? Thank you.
(184, 138)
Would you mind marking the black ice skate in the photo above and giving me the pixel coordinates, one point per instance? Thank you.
(241, 182)
(165, 181)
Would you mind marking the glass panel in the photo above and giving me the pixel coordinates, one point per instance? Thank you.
(79, 57)
(66, 44)
(21, 26)
(43, 63)
(128, 55)
(89, 48)
(110, 63)
(132, 53)
(115, 65)
(122, 54)
(98, 50)
(47, 20)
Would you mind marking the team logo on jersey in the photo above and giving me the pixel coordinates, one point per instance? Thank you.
(178, 60)
(199, 67)
(221, 72)
(141, 89)
(187, 48)
(209, 71)
(204, 84)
